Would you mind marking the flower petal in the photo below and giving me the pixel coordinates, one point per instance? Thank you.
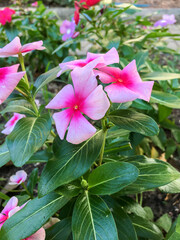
(11, 49)
(65, 98)
(32, 46)
(79, 129)
(11, 204)
(96, 104)
(3, 218)
(62, 120)
(13, 211)
(12, 122)
(108, 74)
(39, 235)
(104, 77)
(118, 93)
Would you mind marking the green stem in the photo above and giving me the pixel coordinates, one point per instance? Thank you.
(103, 122)
(141, 199)
(137, 198)
(25, 188)
(53, 134)
(23, 93)
(21, 60)
(31, 100)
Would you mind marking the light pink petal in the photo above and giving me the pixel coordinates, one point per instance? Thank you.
(65, 98)
(8, 130)
(118, 93)
(104, 77)
(109, 58)
(109, 74)
(11, 204)
(130, 74)
(96, 104)
(39, 235)
(62, 120)
(32, 46)
(71, 65)
(11, 48)
(143, 89)
(12, 122)
(22, 176)
(13, 211)
(79, 129)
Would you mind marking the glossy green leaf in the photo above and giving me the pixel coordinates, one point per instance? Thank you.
(111, 177)
(40, 156)
(134, 121)
(174, 232)
(28, 220)
(59, 231)
(164, 222)
(166, 99)
(145, 228)
(160, 76)
(92, 219)
(32, 181)
(70, 162)
(27, 137)
(4, 154)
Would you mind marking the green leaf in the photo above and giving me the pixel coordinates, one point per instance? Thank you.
(4, 154)
(19, 106)
(176, 134)
(32, 217)
(153, 173)
(134, 121)
(166, 99)
(92, 219)
(163, 112)
(32, 180)
(11, 31)
(174, 232)
(59, 231)
(45, 78)
(4, 196)
(140, 58)
(172, 187)
(70, 190)
(40, 156)
(27, 137)
(159, 76)
(145, 228)
(164, 222)
(111, 177)
(124, 225)
(71, 161)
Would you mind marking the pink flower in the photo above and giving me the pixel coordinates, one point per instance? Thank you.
(15, 47)
(126, 84)
(12, 122)
(34, 4)
(10, 209)
(108, 58)
(18, 178)
(85, 98)
(68, 29)
(6, 15)
(9, 78)
(167, 19)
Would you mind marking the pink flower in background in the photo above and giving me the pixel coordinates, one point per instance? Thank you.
(6, 15)
(18, 178)
(15, 47)
(107, 58)
(12, 122)
(10, 209)
(9, 78)
(84, 98)
(166, 20)
(126, 85)
(68, 29)
(34, 4)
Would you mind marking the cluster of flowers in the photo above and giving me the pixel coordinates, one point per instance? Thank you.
(12, 206)
(166, 20)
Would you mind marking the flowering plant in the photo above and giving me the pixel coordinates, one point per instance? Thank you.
(87, 136)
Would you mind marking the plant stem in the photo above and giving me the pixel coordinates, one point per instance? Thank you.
(53, 134)
(25, 188)
(21, 60)
(23, 93)
(31, 100)
(141, 199)
(103, 122)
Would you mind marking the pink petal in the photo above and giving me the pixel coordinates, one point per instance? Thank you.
(109, 74)
(79, 129)
(65, 98)
(71, 65)
(130, 74)
(19, 177)
(11, 204)
(96, 104)
(11, 49)
(12, 122)
(104, 77)
(143, 89)
(39, 235)
(118, 93)
(3, 218)
(32, 46)
(13, 211)
(62, 120)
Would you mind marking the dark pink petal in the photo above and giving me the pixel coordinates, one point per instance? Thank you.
(143, 89)
(3, 218)
(96, 104)
(11, 49)
(39, 235)
(79, 129)
(32, 46)
(65, 98)
(62, 120)
(12, 122)
(11, 204)
(118, 93)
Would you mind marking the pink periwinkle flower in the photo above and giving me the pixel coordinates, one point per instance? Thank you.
(166, 20)
(6, 15)
(34, 4)
(18, 178)
(84, 98)
(108, 58)
(10, 209)
(126, 85)
(9, 78)
(68, 29)
(14, 48)
(12, 122)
